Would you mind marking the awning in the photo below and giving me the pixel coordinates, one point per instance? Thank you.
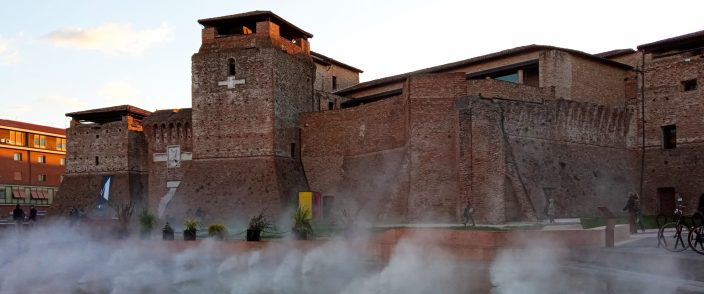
(18, 193)
(45, 194)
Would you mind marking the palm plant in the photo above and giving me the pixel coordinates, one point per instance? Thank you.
(302, 227)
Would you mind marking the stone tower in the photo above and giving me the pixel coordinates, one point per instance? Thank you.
(252, 77)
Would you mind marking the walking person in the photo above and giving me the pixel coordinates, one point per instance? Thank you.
(18, 214)
(32, 214)
(550, 210)
(468, 211)
(633, 208)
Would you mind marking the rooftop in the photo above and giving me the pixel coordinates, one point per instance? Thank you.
(696, 37)
(285, 27)
(320, 58)
(31, 127)
(475, 60)
(107, 114)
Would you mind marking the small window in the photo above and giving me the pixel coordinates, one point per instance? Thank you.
(334, 82)
(18, 156)
(41, 178)
(41, 159)
(97, 160)
(62, 161)
(331, 105)
(231, 69)
(293, 150)
(669, 137)
(689, 85)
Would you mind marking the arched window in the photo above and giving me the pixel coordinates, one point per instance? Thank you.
(231, 70)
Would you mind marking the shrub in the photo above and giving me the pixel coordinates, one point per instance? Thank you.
(147, 221)
(190, 224)
(218, 231)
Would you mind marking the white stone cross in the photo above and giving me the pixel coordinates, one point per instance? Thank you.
(173, 156)
(231, 82)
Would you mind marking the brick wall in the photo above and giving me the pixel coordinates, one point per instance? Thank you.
(359, 156)
(433, 130)
(666, 103)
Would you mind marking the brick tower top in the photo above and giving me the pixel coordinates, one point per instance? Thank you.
(253, 29)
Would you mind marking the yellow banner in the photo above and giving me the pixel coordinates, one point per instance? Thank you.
(305, 201)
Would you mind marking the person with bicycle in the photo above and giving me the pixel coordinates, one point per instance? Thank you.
(633, 208)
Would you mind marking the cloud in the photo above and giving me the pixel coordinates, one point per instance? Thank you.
(116, 39)
(62, 102)
(118, 93)
(8, 55)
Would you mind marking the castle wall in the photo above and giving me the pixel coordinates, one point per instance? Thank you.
(521, 153)
(162, 129)
(115, 149)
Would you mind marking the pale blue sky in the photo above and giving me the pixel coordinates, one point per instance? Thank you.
(63, 56)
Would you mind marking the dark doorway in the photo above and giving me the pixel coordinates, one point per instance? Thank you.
(666, 198)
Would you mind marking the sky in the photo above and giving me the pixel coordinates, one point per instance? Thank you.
(63, 56)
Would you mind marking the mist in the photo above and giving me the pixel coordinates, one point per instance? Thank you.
(58, 258)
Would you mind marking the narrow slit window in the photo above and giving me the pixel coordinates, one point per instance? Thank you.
(293, 150)
(231, 69)
(334, 82)
(669, 137)
(97, 160)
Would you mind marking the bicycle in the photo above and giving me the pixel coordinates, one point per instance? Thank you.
(696, 234)
(672, 235)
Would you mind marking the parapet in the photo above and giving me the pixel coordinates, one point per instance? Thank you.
(255, 29)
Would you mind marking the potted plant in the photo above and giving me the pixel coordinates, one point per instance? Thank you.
(302, 228)
(217, 231)
(167, 232)
(146, 221)
(190, 228)
(256, 224)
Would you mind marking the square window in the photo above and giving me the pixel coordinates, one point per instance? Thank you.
(669, 137)
(689, 85)
(41, 159)
(18, 156)
(41, 178)
(62, 161)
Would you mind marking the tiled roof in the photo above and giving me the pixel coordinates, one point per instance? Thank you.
(324, 59)
(615, 53)
(686, 38)
(32, 127)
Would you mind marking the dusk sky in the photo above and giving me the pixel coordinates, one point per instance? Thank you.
(64, 56)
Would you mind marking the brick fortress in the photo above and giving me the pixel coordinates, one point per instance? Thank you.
(506, 131)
